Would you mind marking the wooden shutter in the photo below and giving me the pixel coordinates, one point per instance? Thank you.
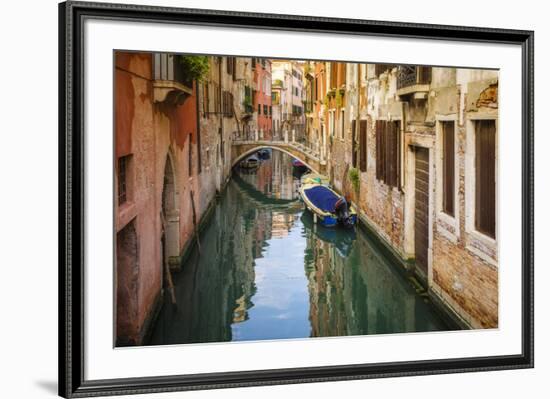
(396, 154)
(377, 150)
(205, 99)
(353, 143)
(448, 162)
(333, 74)
(485, 177)
(424, 75)
(343, 74)
(380, 151)
(391, 154)
(363, 146)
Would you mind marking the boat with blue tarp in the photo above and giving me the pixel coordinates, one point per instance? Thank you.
(328, 207)
(315, 178)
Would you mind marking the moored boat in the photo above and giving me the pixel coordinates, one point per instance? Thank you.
(315, 178)
(299, 166)
(264, 153)
(328, 208)
(251, 162)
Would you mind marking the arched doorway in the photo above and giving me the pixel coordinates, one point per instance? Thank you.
(170, 218)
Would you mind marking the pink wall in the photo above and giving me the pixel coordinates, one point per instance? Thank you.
(147, 132)
(264, 121)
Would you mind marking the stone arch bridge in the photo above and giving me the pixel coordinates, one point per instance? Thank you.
(240, 149)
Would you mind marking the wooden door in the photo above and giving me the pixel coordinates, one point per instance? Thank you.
(421, 208)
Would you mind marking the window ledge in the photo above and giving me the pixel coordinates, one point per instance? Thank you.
(449, 224)
(483, 246)
(482, 255)
(420, 91)
(126, 212)
(446, 233)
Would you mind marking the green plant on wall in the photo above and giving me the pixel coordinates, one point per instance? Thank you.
(338, 99)
(195, 66)
(353, 175)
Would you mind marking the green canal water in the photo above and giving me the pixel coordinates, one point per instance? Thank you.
(265, 271)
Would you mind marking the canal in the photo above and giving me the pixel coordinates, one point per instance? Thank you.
(265, 271)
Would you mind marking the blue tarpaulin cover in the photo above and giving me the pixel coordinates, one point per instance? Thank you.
(322, 198)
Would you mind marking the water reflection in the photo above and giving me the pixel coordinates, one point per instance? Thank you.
(267, 272)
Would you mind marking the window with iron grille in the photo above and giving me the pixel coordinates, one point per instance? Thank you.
(408, 75)
(123, 179)
(388, 149)
(265, 109)
(259, 109)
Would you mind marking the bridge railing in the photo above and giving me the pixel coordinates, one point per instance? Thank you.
(287, 137)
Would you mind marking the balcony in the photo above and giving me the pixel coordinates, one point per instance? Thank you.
(414, 80)
(171, 84)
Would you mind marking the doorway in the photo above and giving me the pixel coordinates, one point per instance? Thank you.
(170, 218)
(421, 209)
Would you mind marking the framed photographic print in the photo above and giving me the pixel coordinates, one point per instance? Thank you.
(252, 199)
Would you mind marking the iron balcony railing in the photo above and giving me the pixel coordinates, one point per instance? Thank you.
(413, 75)
(170, 67)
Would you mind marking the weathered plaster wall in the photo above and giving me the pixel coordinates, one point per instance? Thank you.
(465, 266)
(154, 133)
(383, 205)
(134, 132)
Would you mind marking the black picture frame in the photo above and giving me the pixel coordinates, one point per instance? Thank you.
(71, 199)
